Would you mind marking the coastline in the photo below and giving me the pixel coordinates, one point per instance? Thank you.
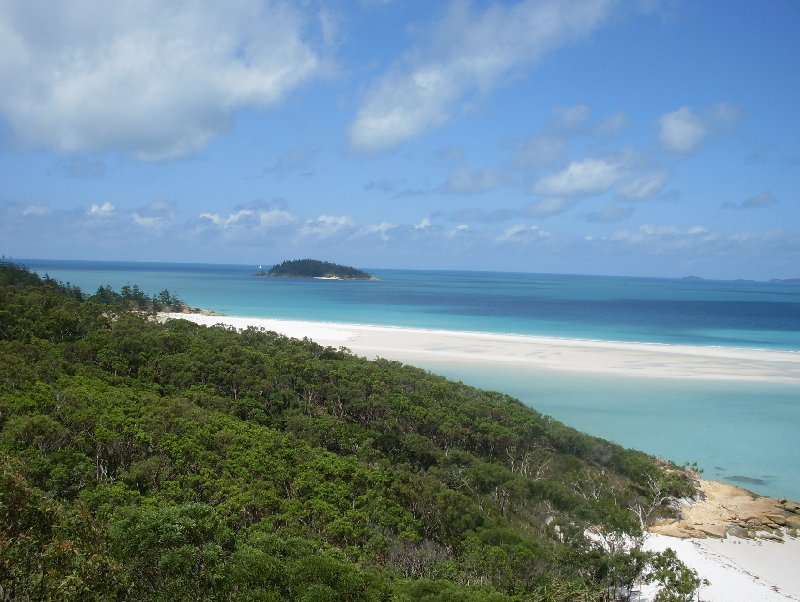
(648, 360)
(738, 568)
(746, 545)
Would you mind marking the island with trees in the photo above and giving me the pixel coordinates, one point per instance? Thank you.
(313, 268)
(143, 459)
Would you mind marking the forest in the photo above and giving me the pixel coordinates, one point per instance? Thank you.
(143, 459)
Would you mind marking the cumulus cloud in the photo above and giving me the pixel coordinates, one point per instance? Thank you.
(157, 79)
(469, 51)
(684, 130)
(326, 226)
(681, 131)
(423, 224)
(762, 199)
(382, 230)
(103, 210)
(581, 178)
(249, 219)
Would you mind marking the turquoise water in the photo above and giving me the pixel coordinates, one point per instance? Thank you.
(741, 433)
(745, 314)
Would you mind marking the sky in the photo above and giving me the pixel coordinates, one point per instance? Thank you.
(637, 137)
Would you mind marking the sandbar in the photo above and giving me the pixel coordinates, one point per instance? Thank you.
(647, 360)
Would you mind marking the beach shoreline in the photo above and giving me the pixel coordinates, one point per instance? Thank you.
(650, 360)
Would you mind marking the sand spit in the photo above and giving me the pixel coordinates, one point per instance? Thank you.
(412, 345)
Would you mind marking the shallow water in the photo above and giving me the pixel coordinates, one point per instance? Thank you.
(742, 433)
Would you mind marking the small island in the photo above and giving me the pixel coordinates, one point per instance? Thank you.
(313, 268)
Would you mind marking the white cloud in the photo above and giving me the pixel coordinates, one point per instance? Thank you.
(382, 230)
(147, 221)
(581, 178)
(643, 187)
(326, 226)
(155, 216)
(250, 218)
(681, 131)
(458, 230)
(684, 130)
(468, 51)
(424, 223)
(101, 210)
(157, 79)
(522, 233)
(670, 235)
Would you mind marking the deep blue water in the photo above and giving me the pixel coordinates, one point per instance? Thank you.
(744, 433)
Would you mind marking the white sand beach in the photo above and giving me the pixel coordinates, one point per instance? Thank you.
(544, 353)
(739, 570)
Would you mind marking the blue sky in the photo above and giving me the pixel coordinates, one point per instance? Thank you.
(577, 136)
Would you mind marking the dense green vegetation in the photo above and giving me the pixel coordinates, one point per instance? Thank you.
(168, 461)
(313, 268)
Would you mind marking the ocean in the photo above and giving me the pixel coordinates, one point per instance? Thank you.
(743, 433)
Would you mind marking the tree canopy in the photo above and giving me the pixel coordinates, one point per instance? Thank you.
(149, 460)
(313, 268)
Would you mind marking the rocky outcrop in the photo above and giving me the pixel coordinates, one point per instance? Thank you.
(725, 510)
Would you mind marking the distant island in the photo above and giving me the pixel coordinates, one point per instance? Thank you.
(313, 268)
(785, 280)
